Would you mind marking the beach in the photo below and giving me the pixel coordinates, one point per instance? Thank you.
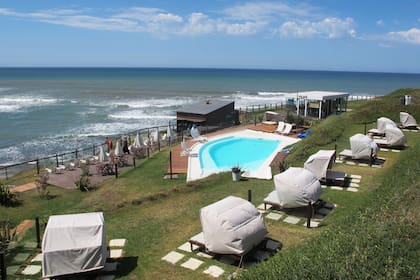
(44, 111)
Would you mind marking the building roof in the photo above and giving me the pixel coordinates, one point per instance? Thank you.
(317, 95)
(204, 107)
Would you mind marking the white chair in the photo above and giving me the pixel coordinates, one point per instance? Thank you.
(195, 134)
(280, 127)
(287, 129)
(185, 150)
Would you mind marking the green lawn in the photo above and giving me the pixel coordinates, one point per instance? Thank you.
(157, 215)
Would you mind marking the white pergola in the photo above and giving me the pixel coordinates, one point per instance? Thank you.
(318, 98)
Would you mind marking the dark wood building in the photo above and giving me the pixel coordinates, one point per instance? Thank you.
(209, 114)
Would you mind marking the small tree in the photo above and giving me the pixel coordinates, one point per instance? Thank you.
(41, 186)
(7, 198)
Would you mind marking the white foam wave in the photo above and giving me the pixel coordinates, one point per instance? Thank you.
(148, 103)
(9, 108)
(272, 93)
(16, 103)
(5, 89)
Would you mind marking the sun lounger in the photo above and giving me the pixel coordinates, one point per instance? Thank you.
(287, 129)
(195, 134)
(185, 150)
(335, 178)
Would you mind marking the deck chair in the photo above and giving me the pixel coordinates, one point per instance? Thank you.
(279, 128)
(185, 150)
(287, 129)
(195, 134)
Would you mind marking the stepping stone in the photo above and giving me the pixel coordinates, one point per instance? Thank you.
(37, 258)
(204, 255)
(31, 270)
(350, 163)
(354, 185)
(272, 245)
(337, 188)
(323, 186)
(116, 253)
(338, 161)
(110, 267)
(187, 247)
(261, 206)
(395, 151)
(376, 166)
(30, 245)
(214, 271)
(384, 150)
(173, 257)
(314, 224)
(21, 257)
(117, 242)
(11, 270)
(356, 176)
(357, 181)
(350, 189)
(192, 264)
(291, 220)
(363, 164)
(273, 216)
(324, 211)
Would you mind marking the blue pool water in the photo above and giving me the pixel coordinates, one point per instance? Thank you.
(225, 153)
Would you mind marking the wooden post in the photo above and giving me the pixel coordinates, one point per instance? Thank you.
(365, 128)
(308, 220)
(3, 265)
(56, 159)
(170, 164)
(250, 195)
(37, 166)
(116, 170)
(38, 233)
(134, 161)
(93, 150)
(76, 153)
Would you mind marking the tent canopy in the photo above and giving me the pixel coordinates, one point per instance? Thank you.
(232, 226)
(73, 244)
(362, 146)
(296, 187)
(407, 120)
(320, 162)
(394, 136)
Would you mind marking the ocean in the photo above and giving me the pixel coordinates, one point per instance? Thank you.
(44, 111)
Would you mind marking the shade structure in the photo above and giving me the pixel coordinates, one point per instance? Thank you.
(407, 120)
(363, 147)
(156, 136)
(73, 243)
(118, 152)
(102, 155)
(296, 187)
(382, 122)
(394, 136)
(320, 162)
(138, 141)
(232, 226)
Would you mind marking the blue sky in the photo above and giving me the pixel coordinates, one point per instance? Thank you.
(370, 35)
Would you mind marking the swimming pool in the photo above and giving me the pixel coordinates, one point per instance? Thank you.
(246, 153)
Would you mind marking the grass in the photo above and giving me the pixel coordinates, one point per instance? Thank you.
(369, 235)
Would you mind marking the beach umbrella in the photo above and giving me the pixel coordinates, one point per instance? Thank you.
(118, 149)
(138, 141)
(102, 155)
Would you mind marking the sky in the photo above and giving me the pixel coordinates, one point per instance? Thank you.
(358, 35)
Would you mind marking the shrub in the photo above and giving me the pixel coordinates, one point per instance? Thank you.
(7, 198)
(83, 183)
(41, 186)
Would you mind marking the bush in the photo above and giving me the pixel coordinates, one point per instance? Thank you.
(41, 186)
(83, 183)
(7, 198)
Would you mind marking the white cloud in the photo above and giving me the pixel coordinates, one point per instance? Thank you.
(411, 36)
(326, 28)
(380, 22)
(245, 19)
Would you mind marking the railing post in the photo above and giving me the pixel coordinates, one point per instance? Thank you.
(76, 153)
(116, 170)
(37, 166)
(308, 220)
(170, 164)
(250, 195)
(38, 233)
(3, 265)
(134, 161)
(56, 159)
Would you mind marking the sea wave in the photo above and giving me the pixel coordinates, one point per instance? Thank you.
(17, 103)
(4, 89)
(148, 103)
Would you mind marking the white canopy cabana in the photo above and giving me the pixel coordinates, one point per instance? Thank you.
(138, 141)
(393, 137)
(381, 123)
(363, 147)
(232, 226)
(407, 120)
(296, 187)
(320, 162)
(118, 152)
(73, 244)
(169, 132)
(102, 155)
